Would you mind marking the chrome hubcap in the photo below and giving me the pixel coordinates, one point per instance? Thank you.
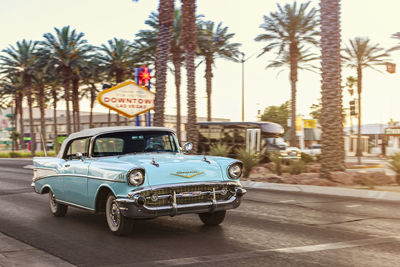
(53, 201)
(115, 214)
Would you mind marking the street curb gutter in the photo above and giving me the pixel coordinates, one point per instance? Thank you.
(325, 190)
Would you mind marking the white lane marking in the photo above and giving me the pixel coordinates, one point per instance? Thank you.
(353, 206)
(287, 201)
(28, 167)
(262, 252)
(338, 245)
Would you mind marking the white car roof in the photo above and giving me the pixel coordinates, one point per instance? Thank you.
(102, 130)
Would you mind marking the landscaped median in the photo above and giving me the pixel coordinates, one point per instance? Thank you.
(24, 154)
(310, 175)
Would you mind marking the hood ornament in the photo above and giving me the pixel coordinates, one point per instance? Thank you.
(206, 160)
(188, 174)
(155, 163)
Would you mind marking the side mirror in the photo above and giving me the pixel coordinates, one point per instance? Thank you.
(79, 155)
(187, 147)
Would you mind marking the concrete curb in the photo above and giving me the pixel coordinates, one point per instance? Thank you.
(17, 253)
(325, 190)
(377, 166)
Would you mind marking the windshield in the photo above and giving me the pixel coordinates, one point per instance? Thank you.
(277, 141)
(120, 143)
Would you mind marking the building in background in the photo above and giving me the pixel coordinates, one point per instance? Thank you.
(99, 120)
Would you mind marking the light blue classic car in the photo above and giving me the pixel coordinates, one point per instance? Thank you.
(137, 173)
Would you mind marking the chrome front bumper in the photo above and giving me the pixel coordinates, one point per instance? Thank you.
(138, 203)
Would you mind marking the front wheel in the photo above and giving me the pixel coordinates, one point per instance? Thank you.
(117, 223)
(214, 218)
(57, 209)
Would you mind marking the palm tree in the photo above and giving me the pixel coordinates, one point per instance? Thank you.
(117, 57)
(332, 157)
(148, 39)
(362, 53)
(20, 60)
(166, 19)
(214, 42)
(11, 88)
(65, 47)
(189, 37)
(177, 61)
(286, 30)
(92, 75)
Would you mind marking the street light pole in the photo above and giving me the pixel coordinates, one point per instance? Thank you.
(243, 60)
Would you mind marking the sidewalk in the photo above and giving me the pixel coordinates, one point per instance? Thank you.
(16, 253)
(325, 190)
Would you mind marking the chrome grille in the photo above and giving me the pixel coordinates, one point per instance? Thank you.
(205, 194)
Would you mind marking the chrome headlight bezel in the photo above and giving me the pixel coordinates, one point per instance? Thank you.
(136, 177)
(235, 170)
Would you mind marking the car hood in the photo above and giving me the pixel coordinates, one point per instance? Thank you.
(165, 168)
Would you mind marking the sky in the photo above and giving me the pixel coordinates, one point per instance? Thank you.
(102, 20)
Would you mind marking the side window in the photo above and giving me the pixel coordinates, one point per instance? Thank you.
(78, 145)
(108, 146)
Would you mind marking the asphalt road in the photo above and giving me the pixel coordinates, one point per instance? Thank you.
(270, 229)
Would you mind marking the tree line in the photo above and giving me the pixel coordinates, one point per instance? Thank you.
(64, 66)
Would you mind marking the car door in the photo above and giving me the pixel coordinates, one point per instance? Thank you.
(75, 170)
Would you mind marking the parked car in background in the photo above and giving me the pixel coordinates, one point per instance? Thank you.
(313, 150)
(290, 153)
(137, 173)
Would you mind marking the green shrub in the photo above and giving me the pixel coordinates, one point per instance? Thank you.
(219, 150)
(394, 162)
(249, 159)
(277, 160)
(4, 155)
(20, 154)
(296, 166)
(49, 153)
(24, 154)
(306, 158)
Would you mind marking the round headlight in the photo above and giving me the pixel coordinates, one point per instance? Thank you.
(235, 171)
(136, 177)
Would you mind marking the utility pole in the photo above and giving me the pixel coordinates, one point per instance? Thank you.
(243, 61)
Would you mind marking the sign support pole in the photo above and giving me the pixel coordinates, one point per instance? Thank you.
(138, 81)
(137, 70)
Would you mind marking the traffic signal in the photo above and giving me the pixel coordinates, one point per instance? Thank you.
(143, 75)
(353, 111)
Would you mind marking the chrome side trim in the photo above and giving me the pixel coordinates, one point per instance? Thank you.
(79, 175)
(74, 205)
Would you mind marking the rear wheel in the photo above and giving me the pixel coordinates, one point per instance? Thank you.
(57, 209)
(214, 218)
(117, 223)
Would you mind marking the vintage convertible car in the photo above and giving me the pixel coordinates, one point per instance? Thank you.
(137, 173)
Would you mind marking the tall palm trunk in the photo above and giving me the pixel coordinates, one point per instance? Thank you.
(166, 19)
(21, 120)
(190, 44)
(359, 86)
(332, 157)
(55, 130)
(75, 103)
(294, 55)
(209, 76)
(176, 60)
(119, 76)
(66, 84)
(92, 99)
(28, 89)
(42, 116)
